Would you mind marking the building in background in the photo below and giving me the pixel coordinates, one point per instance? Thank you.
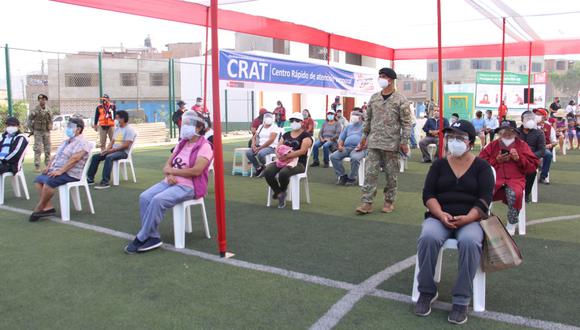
(415, 90)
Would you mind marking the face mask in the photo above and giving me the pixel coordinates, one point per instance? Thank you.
(354, 119)
(338, 115)
(268, 121)
(530, 124)
(70, 132)
(11, 129)
(456, 147)
(305, 115)
(508, 142)
(383, 83)
(187, 132)
(295, 126)
(453, 119)
(116, 123)
(330, 117)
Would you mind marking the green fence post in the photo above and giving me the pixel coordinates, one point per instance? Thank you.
(169, 103)
(100, 74)
(8, 83)
(173, 94)
(226, 108)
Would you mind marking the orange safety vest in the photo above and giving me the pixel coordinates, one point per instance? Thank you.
(106, 119)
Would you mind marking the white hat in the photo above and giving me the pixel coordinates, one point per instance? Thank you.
(296, 115)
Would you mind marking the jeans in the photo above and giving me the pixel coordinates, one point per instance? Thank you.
(153, 203)
(413, 139)
(547, 161)
(355, 158)
(280, 184)
(259, 158)
(469, 243)
(109, 159)
(325, 150)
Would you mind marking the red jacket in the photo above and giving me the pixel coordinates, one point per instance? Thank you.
(547, 132)
(511, 173)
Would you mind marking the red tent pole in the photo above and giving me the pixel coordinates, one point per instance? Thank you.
(529, 74)
(440, 82)
(205, 55)
(327, 62)
(502, 68)
(220, 196)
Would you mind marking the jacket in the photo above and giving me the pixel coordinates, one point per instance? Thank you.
(432, 124)
(535, 140)
(15, 150)
(200, 181)
(105, 117)
(40, 120)
(387, 122)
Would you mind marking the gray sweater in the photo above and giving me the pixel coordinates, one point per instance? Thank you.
(330, 131)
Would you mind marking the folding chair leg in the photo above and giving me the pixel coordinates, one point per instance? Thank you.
(204, 219)
(401, 165)
(415, 293)
(89, 199)
(188, 227)
(179, 227)
(269, 197)
(125, 177)
(307, 190)
(479, 291)
(1, 189)
(437, 275)
(522, 219)
(16, 186)
(24, 187)
(133, 171)
(361, 173)
(295, 193)
(76, 197)
(115, 173)
(63, 192)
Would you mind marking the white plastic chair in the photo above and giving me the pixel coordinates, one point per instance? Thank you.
(361, 170)
(129, 160)
(535, 188)
(64, 191)
(294, 187)
(432, 150)
(17, 180)
(478, 280)
(182, 220)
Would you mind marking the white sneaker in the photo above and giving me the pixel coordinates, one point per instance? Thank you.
(511, 228)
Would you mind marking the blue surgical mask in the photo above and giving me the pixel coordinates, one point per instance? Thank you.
(330, 117)
(70, 132)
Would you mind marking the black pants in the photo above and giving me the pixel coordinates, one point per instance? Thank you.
(530, 178)
(491, 135)
(7, 167)
(280, 184)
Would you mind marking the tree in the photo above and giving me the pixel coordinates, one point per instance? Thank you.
(19, 110)
(568, 82)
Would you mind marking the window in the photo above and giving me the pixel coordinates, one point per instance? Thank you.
(407, 85)
(128, 79)
(523, 68)
(158, 79)
(81, 79)
(453, 65)
(423, 87)
(536, 67)
(498, 66)
(561, 65)
(317, 52)
(481, 64)
(432, 67)
(281, 46)
(354, 59)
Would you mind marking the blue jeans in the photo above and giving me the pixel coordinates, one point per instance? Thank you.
(259, 158)
(546, 162)
(355, 158)
(153, 203)
(325, 150)
(109, 159)
(413, 139)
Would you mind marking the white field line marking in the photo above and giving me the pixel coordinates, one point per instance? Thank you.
(502, 317)
(554, 219)
(346, 303)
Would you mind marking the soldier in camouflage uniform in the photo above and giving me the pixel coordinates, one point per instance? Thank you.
(386, 132)
(40, 124)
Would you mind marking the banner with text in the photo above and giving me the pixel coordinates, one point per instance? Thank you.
(487, 94)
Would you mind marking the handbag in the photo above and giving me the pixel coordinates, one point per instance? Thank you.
(499, 248)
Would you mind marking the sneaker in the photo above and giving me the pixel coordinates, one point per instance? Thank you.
(458, 314)
(103, 185)
(364, 208)
(326, 165)
(511, 228)
(150, 244)
(342, 180)
(528, 199)
(350, 182)
(423, 305)
(259, 172)
(90, 182)
(281, 200)
(133, 247)
(426, 161)
(544, 181)
(315, 164)
(34, 217)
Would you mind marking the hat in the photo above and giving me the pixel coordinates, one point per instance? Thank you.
(331, 111)
(507, 124)
(12, 121)
(462, 126)
(296, 115)
(42, 96)
(105, 96)
(561, 113)
(180, 102)
(388, 72)
(541, 112)
(199, 99)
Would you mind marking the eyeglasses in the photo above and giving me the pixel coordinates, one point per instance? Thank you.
(294, 120)
(457, 136)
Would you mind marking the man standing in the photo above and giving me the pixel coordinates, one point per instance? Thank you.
(104, 122)
(502, 111)
(40, 123)
(555, 106)
(177, 114)
(386, 132)
(431, 128)
(120, 144)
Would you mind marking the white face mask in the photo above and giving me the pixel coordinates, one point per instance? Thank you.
(268, 120)
(508, 142)
(530, 124)
(355, 119)
(456, 147)
(383, 83)
(453, 119)
(11, 129)
(187, 132)
(295, 126)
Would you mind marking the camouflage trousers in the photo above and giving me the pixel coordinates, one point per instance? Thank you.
(390, 162)
(41, 142)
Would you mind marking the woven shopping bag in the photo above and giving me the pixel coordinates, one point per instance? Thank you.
(499, 248)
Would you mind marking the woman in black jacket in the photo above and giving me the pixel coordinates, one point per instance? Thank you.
(12, 146)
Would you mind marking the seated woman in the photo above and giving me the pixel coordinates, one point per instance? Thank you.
(457, 192)
(327, 137)
(264, 142)
(512, 160)
(300, 141)
(308, 122)
(12, 146)
(185, 178)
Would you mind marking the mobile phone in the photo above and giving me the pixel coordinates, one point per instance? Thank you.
(504, 152)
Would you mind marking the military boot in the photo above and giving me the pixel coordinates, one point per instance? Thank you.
(388, 207)
(364, 208)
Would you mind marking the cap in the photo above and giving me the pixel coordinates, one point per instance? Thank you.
(263, 111)
(388, 72)
(180, 102)
(462, 126)
(105, 96)
(507, 124)
(331, 111)
(296, 115)
(42, 96)
(12, 121)
(541, 112)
